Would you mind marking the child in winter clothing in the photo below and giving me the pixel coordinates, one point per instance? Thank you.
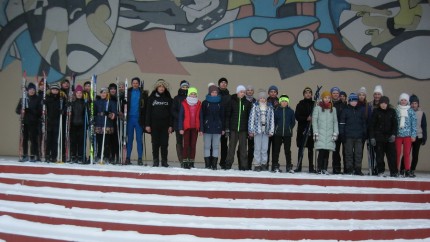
(338, 153)
(55, 103)
(212, 125)
(352, 127)
(284, 124)
(77, 131)
(176, 106)
(421, 131)
(261, 127)
(237, 115)
(105, 113)
(406, 133)
(326, 130)
(32, 113)
(382, 133)
(189, 126)
(272, 100)
(159, 121)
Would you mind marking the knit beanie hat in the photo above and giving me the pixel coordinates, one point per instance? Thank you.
(325, 94)
(31, 86)
(212, 88)
(273, 87)
(335, 89)
(184, 83)
(192, 90)
(414, 98)
(64, 81)
(307, 89)
(404, 96)
(55, 86)
(284, 98)
(384, 99)
(112, 86)
(87, 83)
(240, 88)
(378, 88)
(262, 94)
(342, 93)
(161, 82)
(222, 79)
(362, 90)
(353, 97)
(104, 89)
(78, 88)
(211, 84)
(250, 87)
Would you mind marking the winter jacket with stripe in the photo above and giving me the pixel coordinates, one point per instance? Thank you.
(255, 124)
(284, 121)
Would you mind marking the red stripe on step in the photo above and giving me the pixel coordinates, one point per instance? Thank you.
(330, 197)
(221, 233)
(227, 212)
(18, 237)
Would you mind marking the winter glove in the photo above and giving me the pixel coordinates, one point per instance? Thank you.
(373, 142)
(334, 137)
(316, 137)
(392, 139)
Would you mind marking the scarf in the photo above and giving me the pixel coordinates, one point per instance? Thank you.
(324, 105)
(192, 101)
(403, 111)
(216, 99)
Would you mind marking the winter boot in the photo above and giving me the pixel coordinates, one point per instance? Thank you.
(187, 164)
(214, 163)
(164, 163)
(208, 164)
(139, 162)
(156, 163)
(179, 153)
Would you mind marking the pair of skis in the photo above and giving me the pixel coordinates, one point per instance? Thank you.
(24, 104)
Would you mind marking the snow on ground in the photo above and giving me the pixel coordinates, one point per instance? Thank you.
(82, 233)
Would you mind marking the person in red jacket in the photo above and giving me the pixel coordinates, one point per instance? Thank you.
(189, 126)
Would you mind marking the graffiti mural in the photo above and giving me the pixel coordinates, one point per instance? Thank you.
(385, 38)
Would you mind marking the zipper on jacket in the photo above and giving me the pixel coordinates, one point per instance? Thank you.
(240, 113)
(283, 121)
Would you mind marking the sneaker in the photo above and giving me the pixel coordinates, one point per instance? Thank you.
(264, 167)
(23, 159)
(127, 161)
(32, 159)
(165, 164)
(312, 170)
(394, 175)
(257, 168)
(325, 172)
(381, 174)
(139, 162)
(277, 170)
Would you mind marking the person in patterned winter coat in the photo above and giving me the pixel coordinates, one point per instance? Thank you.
(284, 124)
(261, 126)
(421, 131)
(406, 132)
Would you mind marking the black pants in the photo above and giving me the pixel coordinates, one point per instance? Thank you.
(236, 137)
(250, 152)
(160, 140)
(337, 158)
(269, 146)
(224, 150)
(114, 145)
(52, 141)
(323, 159)
(76, 141)
(106, 147)
(31, 133)
(386, 149)
(415, 154)
(277, 142)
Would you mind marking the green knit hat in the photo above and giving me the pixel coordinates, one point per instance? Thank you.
(191, 90)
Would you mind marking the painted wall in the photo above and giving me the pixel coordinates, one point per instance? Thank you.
(290, 43)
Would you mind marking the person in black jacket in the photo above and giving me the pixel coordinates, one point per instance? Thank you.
(382, 133)
(352, 129)
(225, 99)
(176, 106)
(237, 115)
(136, 114)
(32, 113)
(55, 106)
(303, 114)
(77, 126)
(340, 106)
(159, 121)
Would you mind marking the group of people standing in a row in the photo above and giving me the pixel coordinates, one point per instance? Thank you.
(245, 124)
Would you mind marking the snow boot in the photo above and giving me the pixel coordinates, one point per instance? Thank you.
(164, 163)
(156, 163)
(208, 164)
(214, 163)
(139, 162)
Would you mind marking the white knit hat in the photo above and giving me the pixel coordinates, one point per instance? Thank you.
(362, 90)
(404, 96)
(378, 88)
(240, 88)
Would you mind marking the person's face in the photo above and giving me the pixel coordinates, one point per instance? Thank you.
(353, 103)
(161, 89)
(135, 84)
(87, 87)
(307, 95)
(54, 91)
(273, 93)
(414, 106)
(41, 84)
(377, 96)
(241, 94)
(343, 98)
(326, 99)
(31, 91)
(223, 85)
(284, 104)
(103, 95)
(249, 92)
(184, 87)
(78, 95)
(335, 95)
(361, 97)
(65, 85)
(112, 91)
(214, 93)
(193, 94)
(121, 87)
(403, 102)
(262, 100)
(383, 106)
